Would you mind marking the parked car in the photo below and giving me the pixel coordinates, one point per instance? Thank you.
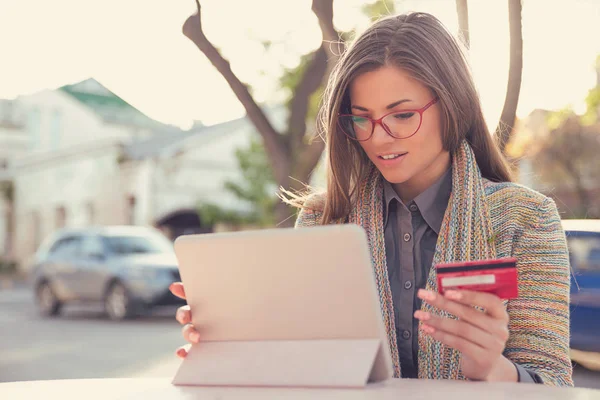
(583, 237)
(126, 268)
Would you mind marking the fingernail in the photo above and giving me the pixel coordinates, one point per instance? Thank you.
(427, 329)
(453, 295)
(181, 317)
(421, 315)
(195, 337)
(181, 353)
(426, 295)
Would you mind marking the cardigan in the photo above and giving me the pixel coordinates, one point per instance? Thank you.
(484, 220)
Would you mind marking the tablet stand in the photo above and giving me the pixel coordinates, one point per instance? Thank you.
(300, 363)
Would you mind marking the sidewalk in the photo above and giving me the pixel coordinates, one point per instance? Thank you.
(12, 281)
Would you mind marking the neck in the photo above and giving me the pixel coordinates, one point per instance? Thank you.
(407, 191)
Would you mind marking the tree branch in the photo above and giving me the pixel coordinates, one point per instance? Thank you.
(316, 74)
(299, 106)
(308, 159)
(278, 154)
(513, 87)
(462, 9)
(333, 44)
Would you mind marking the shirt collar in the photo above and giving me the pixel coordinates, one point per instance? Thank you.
(432, 202)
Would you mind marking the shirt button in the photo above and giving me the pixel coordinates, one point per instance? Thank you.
(407, 285)
(407, 237)
(413, 208)
(405, 335)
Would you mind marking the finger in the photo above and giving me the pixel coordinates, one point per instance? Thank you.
(464, 312)
(183, 351)
(466, 347)
(177, 289)
(184, 315)
(190, 334)
(462, 329)
(491, 303)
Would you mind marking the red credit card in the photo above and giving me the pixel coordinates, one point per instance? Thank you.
(498, 277)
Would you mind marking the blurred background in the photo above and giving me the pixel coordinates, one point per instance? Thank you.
(125, 124)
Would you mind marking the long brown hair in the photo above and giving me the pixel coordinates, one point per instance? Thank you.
(419, 44)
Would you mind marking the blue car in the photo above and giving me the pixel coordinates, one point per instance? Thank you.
(583, 237)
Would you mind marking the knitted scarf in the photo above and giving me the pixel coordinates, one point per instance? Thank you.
(466, 234)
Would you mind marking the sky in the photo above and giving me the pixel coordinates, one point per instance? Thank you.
(136, 49)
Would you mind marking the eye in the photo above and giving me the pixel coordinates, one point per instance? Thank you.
(404, 115)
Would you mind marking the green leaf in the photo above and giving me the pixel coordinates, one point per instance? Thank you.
(257, 189)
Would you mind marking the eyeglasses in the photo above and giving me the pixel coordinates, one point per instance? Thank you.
(398, 124)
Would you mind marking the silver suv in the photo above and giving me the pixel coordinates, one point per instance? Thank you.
(126, 268)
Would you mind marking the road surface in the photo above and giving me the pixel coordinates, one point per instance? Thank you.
(82, 343)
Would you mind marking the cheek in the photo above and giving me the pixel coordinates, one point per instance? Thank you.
(429, 137)
(367, 147)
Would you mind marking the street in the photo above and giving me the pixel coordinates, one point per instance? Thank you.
(82, 343)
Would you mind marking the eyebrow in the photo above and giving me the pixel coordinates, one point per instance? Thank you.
(389, 107)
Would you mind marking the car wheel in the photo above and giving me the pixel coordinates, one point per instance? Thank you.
(118, 303)
(48, 304)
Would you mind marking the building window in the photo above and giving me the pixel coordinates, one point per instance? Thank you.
(33, 127)
(36, 223)
(91, 213)
(55, 129)
(61, 217)
(131, 203)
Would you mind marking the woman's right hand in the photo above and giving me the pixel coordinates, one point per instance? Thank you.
(184, 316)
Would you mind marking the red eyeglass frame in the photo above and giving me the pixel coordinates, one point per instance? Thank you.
(375, 122)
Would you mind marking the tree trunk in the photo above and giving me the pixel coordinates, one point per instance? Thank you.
(462, 9)
(507, 119)
(291, 158)
(276, 149)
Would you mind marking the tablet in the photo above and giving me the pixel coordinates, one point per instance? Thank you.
(310, 289)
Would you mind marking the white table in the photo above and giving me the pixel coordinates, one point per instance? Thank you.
(161, 389)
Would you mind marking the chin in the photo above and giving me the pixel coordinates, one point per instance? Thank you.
(396, 178)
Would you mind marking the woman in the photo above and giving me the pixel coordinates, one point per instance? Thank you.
(412, 161)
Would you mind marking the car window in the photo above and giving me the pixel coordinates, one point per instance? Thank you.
(65, 247)
(585, 252)
(91, 246)
(137, 244)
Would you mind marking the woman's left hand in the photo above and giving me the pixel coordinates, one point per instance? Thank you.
(479, 336)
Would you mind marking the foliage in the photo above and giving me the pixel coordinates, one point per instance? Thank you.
(257, 189)
(7, 190)
(555, 119)
(289, 81)
(7, 267)
(568, 155)
(593, 105)
(379, 8)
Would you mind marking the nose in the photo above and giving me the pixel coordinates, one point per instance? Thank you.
(380, 136)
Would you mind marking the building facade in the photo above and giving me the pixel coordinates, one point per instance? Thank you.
(92, 159)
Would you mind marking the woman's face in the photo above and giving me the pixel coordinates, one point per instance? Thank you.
(411, 164)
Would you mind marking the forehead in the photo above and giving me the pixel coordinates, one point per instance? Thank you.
(386, 85)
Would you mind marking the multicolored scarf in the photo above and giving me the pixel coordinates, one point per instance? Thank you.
(483, 220)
